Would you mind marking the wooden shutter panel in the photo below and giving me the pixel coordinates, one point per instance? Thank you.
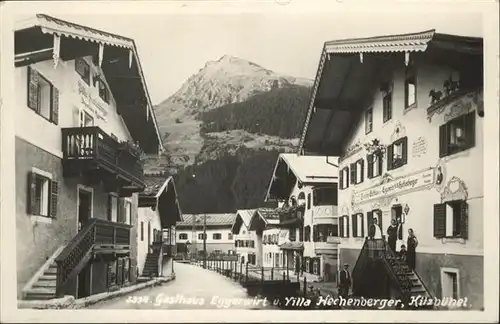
(54, 113)
(362, 234)
(54, 193)
(369, 161)
(378, 212)
(443, 140)
(405, 149)
(362, 175)
(341, 226)
(110, 207)
(354, 225)
(347, 229)
(380, 161)
(439, 220)
(390, 154)
(369, 221)
(341, 179)
(33, 80)
(31, 205)
(470, 129)
(353, 173)
(464, 220)
(121, 210)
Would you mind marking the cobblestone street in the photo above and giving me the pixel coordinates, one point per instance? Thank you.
(191, 286)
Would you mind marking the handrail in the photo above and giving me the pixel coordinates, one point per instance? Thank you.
(423, 284)
(390, 269)
(77, 239)
(361, 258)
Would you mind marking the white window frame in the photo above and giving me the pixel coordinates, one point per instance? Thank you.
(345, 177)
(444, 272)
(44, 218)
(216, 239)
(315, 267)
(360, 224)
(346, 226)
(83, 116)
(183, 235)
(128, 216)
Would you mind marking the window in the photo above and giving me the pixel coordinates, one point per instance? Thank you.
(344, 226)
(376, 213)
(315, 267)
(112, 208)
(43, 97)
(308, 201)
(42, 195)
(357, 171)
(410, 85)
(202, 236)
(83, 69)
(292, 235)
(344, 178)
(142, 231)
(450, 283)
(86, 120)
(368, 120)
(229, 236)
(216, 236)
(358, 228)
(451, 219)
(397, 154)
(375, 164)
(386, 90)
(324, 197)
(457, 135)
(217, 251)
(183, 236)
(128, 212)
(103, 91)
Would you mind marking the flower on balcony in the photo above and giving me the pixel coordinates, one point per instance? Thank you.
(134, 149)
(374, 147)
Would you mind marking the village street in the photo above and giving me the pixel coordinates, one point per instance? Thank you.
(191, 282)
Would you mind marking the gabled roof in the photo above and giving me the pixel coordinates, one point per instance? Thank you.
(243, 217)
(43, 37)
(160, 192)
(222, 220)
(345, 80)
(265, 216)
(306, 169)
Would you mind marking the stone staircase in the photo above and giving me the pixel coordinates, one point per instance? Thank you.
(151, 265)
(44, 287)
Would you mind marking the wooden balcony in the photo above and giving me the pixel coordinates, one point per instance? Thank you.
(90, 152)
(291, 216)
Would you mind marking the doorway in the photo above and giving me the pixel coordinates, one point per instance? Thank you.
(83, 284)
(84, 207)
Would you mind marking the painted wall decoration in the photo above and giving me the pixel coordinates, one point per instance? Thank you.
(90, 102)
(351, 150)
(460, 107)
(440, 176)
(419, 147)
(345, 210)
(458, 103)
(399, 131)
(454, 190)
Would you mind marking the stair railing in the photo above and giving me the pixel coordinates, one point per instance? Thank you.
(357, 271)
(397, 270)
(73, 254)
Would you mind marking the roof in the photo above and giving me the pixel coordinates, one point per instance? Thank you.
(160, 192)
(269, 215)
(344, 80)
(292, 246)
(211, 220)
(243, 216)
(155, 185)
(69, 34)
(306, 169)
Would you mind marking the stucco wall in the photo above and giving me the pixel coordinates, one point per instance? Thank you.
(271, 248)
(210, 231)
(145, 215)
(245, 234)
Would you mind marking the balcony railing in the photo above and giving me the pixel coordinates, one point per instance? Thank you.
(84, 144)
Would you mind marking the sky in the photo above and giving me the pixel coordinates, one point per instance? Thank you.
(172, 47)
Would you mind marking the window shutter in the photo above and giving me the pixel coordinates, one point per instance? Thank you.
(54, 113)
(110, 208)
(353, 173)
(369, 161)
(31, 194)
(464, 219)
(369, 220)
(390, 154)
(121, 210)
(362, 175)
(362, 220)
(341, 226)
(470, 129)
(54, 192)
(33, 79)
(380, 161)
(354, 225)
(341, 179)
(347, 221)
(439, 220)
(378, 212)
(405, 149)
(443, 140)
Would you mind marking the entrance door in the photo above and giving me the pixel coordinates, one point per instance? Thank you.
(84, 281)
(84, 207)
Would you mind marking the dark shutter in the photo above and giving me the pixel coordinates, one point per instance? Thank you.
(439, 220)
(54, 192)
(347, 221)
(341, 225)
(31, 194)
(33, 79)
(443, 140)
(404, 141)
(378, 212)
(353, 173)
(341, 179)
(354, 225)
(470, 129)
(380, 161)
(369, 161)
(110, 207)
(362, 234)
(54, 112)
(464, 220)
(362, 175)
(390, 155)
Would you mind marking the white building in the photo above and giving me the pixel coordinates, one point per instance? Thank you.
(265, 224)
(308, 183)
(244, 239)
(219, 238)
(408, 127)
(159, 210)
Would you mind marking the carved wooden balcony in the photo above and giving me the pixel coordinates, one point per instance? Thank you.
(90, 152)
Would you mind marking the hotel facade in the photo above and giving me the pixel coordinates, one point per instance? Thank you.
(405, 115)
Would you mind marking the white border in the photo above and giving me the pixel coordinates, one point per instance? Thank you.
(10, 313)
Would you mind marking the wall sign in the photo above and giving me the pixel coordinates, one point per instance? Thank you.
(419, 147)
(91, 103)
(397, 186)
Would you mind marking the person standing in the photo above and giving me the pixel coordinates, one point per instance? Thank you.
(411, 244)
(392, 235)
(345, 281)
(375, 231)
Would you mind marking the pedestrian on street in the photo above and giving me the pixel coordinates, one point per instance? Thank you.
(411, 244)
(392, 235)
(345, 281)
